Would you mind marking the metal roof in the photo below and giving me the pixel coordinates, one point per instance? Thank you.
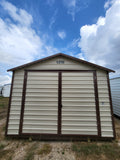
(63, 55)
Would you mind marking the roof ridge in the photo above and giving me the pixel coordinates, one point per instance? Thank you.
(61, 54)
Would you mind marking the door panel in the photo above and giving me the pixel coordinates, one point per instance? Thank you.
(41, 103)
(60, 103)
(78, 104)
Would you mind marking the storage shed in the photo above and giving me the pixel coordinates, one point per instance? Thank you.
(115, 91)
(6, 90)
(60, 97)
(1, 90)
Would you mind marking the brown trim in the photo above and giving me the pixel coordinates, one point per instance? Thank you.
(31, 70)
(59, 101)
(97, 103)
(111, 108)
(9, 105)
(116, 116)
(23, 103)
(63, 55)
(52, 137)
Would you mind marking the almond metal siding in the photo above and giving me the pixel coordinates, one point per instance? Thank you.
(104, 103)
(41, 110)
(78, 108)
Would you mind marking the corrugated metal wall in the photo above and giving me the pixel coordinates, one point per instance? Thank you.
(16, 101)
(41, 103)
(104, 105)
(115, 92)
(105, 114)
(78, 104)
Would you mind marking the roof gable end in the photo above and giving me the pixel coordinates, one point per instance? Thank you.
(63, 55)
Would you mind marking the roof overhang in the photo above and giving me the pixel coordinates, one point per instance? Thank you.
(64, 55)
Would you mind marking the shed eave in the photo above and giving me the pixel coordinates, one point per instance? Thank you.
(64, 55)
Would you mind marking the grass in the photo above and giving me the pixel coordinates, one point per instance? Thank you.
(46, 149)
(94, 151)
(4, 102)
(30, 152)
(4, 153)
(3, 107)
(1, 146)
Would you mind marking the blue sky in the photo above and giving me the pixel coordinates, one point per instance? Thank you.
(33, 29)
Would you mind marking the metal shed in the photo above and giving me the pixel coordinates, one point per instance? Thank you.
(60, 97)
(6, 90)
(1, 90)
(115, 91)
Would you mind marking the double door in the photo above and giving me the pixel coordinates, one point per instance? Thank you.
(60, 103)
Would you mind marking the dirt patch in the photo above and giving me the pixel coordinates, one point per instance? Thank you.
(59, 151)
(22, 150)
(2, 128)
(117, 128)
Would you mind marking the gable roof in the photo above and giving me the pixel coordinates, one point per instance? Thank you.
(63, 55)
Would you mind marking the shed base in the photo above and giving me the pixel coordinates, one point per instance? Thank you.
(60, 138)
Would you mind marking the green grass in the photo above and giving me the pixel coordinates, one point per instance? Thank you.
(30, 152)
(3, 107)
(4, 102)
(46, 149)
(2, 146)
(86, 150)
(5, 153)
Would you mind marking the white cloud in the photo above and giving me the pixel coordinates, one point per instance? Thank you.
(5, 79)
(19, 43)
(75, 42)
(100, 42)
(19, 15)
(81, 56)
(74, 6)
(61, 34)
(71, 5)
(50, 2)
(53, 19)
(108, 3)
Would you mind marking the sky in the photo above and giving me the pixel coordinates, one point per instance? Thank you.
(34, 29)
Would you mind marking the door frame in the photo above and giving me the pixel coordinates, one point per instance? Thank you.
(58, 135)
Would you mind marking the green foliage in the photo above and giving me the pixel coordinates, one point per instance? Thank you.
(1, 146)
(46, 149)
(63, 152)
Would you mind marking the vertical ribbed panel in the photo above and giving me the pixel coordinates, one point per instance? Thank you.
(16, 98)
(41, 103)
(104, 105)
(78, 104)
(115, 92)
